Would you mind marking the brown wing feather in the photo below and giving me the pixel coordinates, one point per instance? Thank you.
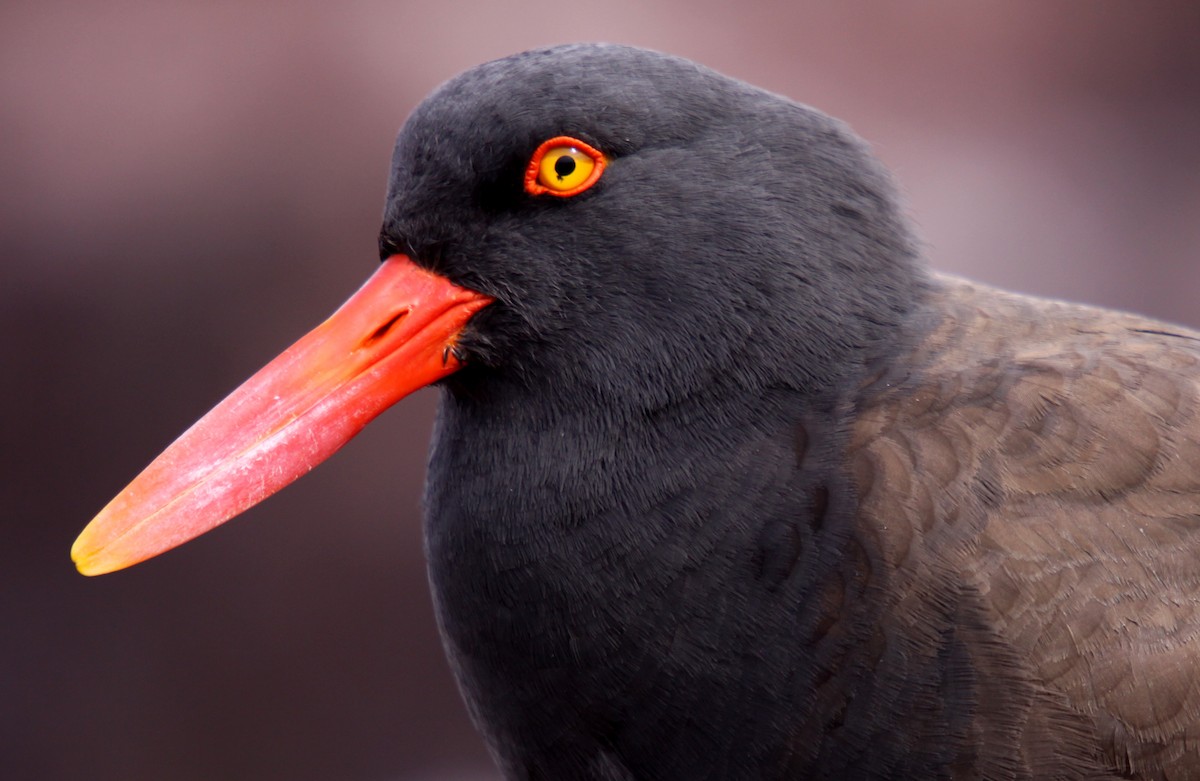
(1047, 458)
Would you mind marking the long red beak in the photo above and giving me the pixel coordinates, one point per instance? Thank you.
(395, 335)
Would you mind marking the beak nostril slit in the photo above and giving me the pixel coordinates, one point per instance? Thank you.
(382, 330)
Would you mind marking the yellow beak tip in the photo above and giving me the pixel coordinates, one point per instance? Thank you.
(88, 562)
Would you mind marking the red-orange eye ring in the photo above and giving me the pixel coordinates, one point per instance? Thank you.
(563, 166)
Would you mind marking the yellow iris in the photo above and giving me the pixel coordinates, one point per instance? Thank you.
(563, 166)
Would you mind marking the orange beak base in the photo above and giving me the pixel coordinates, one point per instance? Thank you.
(395, 335)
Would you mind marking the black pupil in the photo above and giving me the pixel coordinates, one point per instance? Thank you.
(564, 166)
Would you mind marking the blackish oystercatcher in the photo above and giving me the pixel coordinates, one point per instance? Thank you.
(725, 484)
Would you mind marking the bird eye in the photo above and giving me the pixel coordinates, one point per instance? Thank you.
(563, 166)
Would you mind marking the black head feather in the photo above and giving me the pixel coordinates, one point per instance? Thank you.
(732, 228)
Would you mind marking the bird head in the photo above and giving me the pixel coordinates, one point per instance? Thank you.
(726, 223)
(588, 223)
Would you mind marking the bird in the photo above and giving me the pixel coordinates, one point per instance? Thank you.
(726, 482)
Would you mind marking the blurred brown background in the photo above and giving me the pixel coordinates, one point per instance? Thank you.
(185, 188)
